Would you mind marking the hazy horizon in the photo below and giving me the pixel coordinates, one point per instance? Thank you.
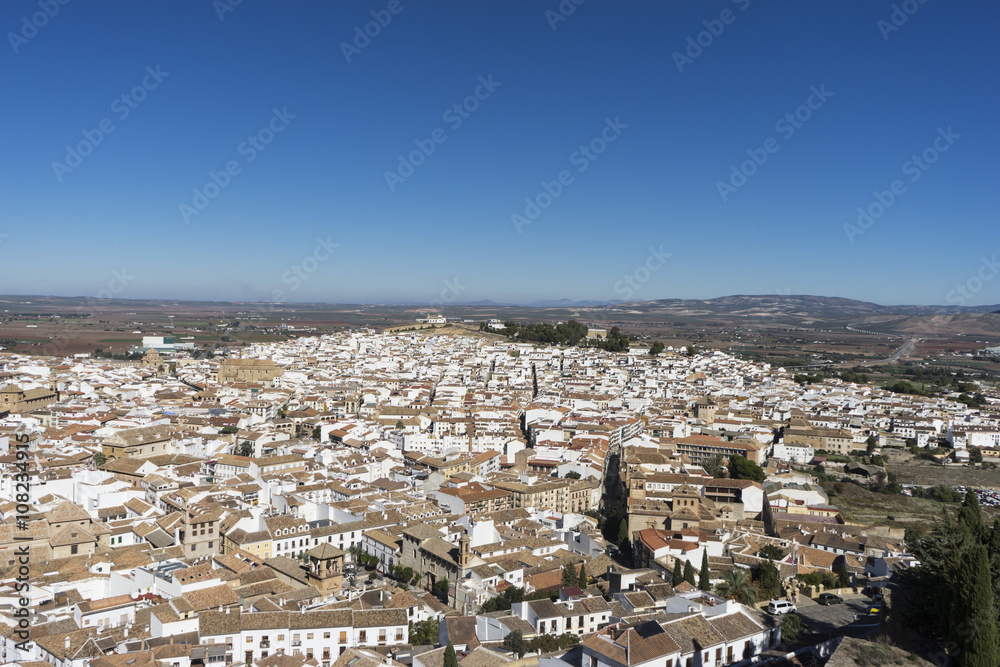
(391, 150)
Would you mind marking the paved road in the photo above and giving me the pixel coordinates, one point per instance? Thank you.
(827, 620)
(906, 349)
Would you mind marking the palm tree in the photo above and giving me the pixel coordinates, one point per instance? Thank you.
(736, 585)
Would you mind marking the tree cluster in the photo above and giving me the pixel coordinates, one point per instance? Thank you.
(513, 595)
(425, 633)
(517, 644)
(957, 587)
(569, 333)
(744, 468)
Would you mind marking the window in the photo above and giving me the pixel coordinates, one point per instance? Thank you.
(399, 634)
(249, 640)
(381, 636)
(343, 636)
(362, 636)
(73, 549)
(309, 635)
(281, 638)
(326, 635)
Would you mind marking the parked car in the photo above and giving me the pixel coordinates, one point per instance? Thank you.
(829, 598)
(778, 607)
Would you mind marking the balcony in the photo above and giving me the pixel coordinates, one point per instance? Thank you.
(265, 643)
(296, 642)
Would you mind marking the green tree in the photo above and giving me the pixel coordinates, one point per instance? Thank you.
(743, 468)
(871, 444)
(689, 573)
(974, 631)
(572, 474)
(543, 644)
(569, 576)
(791, 627)
(450, 658)
(515, 643)
(771, 552)
(583, 581)
(713, 466)
(768, 579)
(970, 516)
(704, 577)
(100, 459)
(441, 587)
(656, 348)
(736, 585)
(425, 633)
(246, 448)
(678, 572)
(623, 533)
(229, 430)
(843, 576)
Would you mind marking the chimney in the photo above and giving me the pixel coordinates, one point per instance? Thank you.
(66, 643)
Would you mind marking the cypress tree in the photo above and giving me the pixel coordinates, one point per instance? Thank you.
(450, 658)
(678, 574)
(583, 576)
(704, 579)
(974, 630)
(689, 573)
(970, 517)
(569, 577)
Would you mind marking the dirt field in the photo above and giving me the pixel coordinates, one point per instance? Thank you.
(866, 508)
(930, 474)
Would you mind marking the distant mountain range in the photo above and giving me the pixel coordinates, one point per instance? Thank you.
(737, 305)
(795, 304)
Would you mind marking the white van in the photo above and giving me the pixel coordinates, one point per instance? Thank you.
(779, 607)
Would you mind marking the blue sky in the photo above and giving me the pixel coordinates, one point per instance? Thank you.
(313, 216)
